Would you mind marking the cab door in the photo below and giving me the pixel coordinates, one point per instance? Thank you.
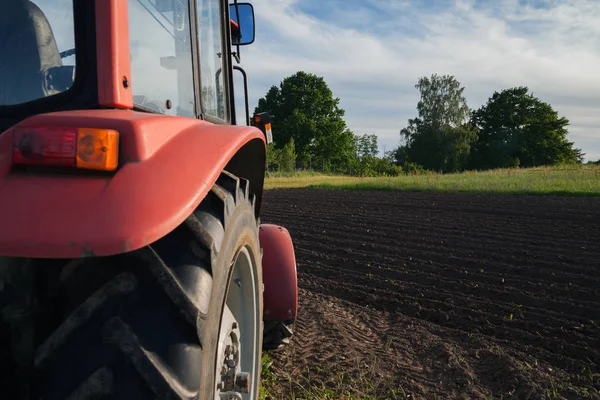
(215, 62)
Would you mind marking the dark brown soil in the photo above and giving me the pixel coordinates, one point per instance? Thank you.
(441, 296)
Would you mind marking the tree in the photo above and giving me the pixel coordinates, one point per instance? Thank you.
(303, 108)
(287, 157)
(273, 157)
(284, 159)
(366, 145)
(516, 129)
(400, 155)
(440, 137)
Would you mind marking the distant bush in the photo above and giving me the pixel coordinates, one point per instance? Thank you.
(411, 168)
(391, 170)
(370, 166)
(282, 160)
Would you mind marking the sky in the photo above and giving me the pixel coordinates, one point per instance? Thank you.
(371, 54)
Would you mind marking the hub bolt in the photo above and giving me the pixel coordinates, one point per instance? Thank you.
(242, 382)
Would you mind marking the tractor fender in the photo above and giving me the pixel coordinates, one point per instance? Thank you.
(167, 165)
(279, 273)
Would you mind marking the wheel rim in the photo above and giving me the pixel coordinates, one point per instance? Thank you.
(238, 355)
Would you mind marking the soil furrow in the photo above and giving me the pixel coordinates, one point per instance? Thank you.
(441, 296)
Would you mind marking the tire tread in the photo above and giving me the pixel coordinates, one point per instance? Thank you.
(172, 278)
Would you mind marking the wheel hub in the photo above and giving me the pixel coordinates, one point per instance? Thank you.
(237, 339)
(231, 378)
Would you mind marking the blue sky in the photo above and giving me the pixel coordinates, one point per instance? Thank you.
(372, 52)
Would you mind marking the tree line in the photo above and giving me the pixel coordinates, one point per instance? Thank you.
(513, 129)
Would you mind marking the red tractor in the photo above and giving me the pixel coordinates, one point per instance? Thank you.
(133, 264)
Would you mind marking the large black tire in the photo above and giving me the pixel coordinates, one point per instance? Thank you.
(141, 325)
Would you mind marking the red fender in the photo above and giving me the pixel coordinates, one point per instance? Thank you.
(167, 166)
(279, 273)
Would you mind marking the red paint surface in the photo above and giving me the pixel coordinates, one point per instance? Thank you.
(279, 273)
(167, 166)
(112, 50)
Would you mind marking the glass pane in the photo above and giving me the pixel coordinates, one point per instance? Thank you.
(161, 56)
(37, 47)
(211, 63)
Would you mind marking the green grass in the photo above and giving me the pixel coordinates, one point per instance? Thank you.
(276, 386)
(579, 180)
(267, 377)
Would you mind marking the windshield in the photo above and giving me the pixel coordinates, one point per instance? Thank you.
(37, 43)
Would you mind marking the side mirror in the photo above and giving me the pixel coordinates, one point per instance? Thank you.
(242, 24)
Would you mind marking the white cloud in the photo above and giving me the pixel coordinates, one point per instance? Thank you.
(554, 49)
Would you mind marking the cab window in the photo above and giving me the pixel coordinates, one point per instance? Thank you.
(37, 49)
(161, 56)
(211, 60)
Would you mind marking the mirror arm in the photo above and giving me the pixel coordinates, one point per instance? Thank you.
(237, 11)
(245, 93)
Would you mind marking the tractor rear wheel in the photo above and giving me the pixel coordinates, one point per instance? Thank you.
(179, 319)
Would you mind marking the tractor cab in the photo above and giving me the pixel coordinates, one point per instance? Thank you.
(32, 66)
(172, 57)
(133, 264)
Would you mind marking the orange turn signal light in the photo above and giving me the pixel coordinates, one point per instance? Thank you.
(85, 148)
(97, 149)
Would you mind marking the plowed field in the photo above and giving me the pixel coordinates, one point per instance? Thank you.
(441, 296)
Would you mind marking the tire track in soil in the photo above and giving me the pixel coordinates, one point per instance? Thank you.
(363, 354)
(441, 296)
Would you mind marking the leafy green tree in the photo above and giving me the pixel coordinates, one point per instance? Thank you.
(400, 155)
(273, 157)
(303, 108)
(390, 156)
(284, 159)
(440, 137)
(287, 157)
(516, 129)
(366, 145)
